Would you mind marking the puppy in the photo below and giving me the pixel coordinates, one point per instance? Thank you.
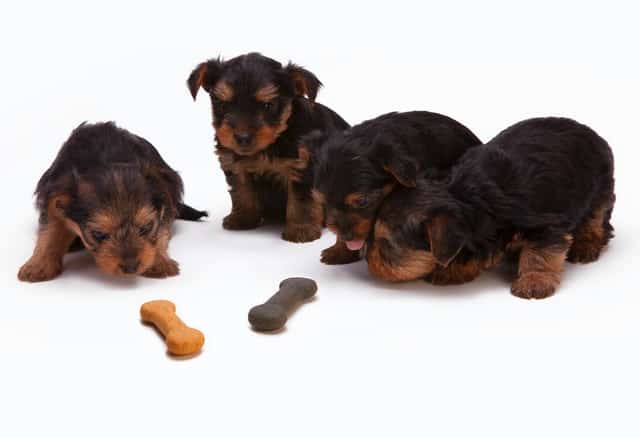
(261, 109)
(112, 191)
(542, 191)
(357, 169)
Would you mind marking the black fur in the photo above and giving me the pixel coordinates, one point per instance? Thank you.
(391, 149)
(239, 119)
(537, 182)
(102, 152)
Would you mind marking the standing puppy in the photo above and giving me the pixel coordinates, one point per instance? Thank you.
(112, 191)
(260, 110)
(542, 191)
(357, 169)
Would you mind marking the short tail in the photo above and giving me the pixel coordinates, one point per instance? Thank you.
(190, 214)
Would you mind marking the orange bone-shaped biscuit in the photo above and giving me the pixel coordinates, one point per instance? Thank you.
(180, 339)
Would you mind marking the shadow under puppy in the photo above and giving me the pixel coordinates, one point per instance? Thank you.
(260, 110)
(541, 192)
(355, 170)
(112, 191)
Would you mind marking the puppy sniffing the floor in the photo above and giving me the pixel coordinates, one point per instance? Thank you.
(110, 190)
(260, 110)
(357, 169)
(541, 192)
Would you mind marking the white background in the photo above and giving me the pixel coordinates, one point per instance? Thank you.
(365, 358)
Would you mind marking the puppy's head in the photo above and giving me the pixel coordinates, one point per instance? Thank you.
(417, 230)
(121, 216)
(352, 178)
(251, 98)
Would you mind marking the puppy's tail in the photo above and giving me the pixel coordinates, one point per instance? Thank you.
(189, 213)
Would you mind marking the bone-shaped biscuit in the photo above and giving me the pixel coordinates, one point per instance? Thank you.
(180, 339)
(273, 314)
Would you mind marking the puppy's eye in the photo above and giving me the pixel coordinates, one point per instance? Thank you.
(361, 202)
(146, 229)
(99, 236)
(268, 106)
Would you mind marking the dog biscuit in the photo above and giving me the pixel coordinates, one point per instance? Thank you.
(273, 314)
(180, 339)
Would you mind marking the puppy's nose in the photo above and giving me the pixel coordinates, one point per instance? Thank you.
(243, 138)
(129, 266)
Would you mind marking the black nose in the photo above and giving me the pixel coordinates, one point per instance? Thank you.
(243, 138)
(129, 266)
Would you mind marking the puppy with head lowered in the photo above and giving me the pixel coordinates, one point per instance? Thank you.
(355, 170)
(111, 192)
(541, 192)
(260, 110)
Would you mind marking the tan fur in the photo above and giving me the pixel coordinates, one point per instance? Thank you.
(411, 265)
(319, 197)
(223, 91)
(266, 135)
(246, 211)
(163, 265)
(304, 218)
(590, 238)
(462, 272)
(352, 199)
(267, 93)
(54, 239)
(539, 269)
(339, 254)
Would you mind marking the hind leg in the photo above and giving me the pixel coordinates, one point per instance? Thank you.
(591, 236)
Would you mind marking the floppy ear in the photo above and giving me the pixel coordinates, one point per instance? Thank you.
(401, 166)
(404, 169)
(205, 75)
(446, 238)
(313, 141)
(305, 83)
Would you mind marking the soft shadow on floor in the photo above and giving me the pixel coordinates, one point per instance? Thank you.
(81, 264)
(490, 281)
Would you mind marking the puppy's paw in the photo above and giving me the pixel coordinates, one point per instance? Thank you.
(163, 267)
(583, 252)
(301, 233)
(339, 255)
(241, 221)
(534, 285)
(37, 270)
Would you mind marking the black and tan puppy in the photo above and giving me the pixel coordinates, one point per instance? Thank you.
(112, 191)
(261, 109)
(541, 192)
(357, 169)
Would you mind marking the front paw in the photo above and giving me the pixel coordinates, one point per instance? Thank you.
(241, 221)
(301, 233)
(36, 270)
(534, 285)
(338, 254)
(163, 268)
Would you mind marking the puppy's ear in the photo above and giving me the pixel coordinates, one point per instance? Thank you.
(446, 238)
(401, 166)
(205, 75)
(312, 141)
(305, 83)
